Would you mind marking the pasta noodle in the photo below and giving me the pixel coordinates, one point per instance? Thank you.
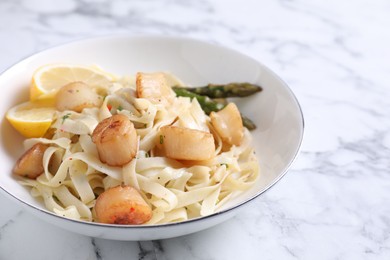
(176, 190)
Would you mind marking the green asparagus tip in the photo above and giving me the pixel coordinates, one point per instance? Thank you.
(225, 90)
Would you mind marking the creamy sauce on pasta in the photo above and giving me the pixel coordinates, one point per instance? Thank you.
(177, 191)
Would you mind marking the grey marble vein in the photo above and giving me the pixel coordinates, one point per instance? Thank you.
(96, 249)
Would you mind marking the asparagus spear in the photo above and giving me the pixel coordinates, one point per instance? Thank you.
(227, 90)
(248, 123)
(208, 105)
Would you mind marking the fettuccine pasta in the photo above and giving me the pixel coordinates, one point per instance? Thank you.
(174, 188)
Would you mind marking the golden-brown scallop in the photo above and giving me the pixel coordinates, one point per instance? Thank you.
(186, 144)
(76, 96)
(122, 205)
(116, 140)
(228, 124)
(30, 164)
(153, 86)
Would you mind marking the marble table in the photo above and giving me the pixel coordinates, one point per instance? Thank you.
(335, 201)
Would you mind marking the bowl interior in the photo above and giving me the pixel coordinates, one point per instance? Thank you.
(275, 110)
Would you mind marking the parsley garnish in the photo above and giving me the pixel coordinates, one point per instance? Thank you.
(120, 108)
(66, 117)
(161, 139)
(227, 166)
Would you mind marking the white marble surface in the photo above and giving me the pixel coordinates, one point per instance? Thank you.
(334, 54)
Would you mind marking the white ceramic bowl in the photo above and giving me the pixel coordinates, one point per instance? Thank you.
(275, 111)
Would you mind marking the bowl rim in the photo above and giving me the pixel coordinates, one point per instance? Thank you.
(174, 38)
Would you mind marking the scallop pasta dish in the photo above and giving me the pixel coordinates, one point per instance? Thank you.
(138, 149)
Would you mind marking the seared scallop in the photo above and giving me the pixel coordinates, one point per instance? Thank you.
(228, 124)
(154, 87)
(186, 144)
(116, 140)
(30, 164)
(76, 96)
(122, 205)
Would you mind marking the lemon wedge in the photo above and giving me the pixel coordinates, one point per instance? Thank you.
(31, 119)
(48, 79)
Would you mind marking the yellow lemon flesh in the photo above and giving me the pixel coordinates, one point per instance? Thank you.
(48, 79)
(31, 119)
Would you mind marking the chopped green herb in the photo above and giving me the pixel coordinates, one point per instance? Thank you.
(161, 139)
(66, 117)
(147, 155)
(227, 166)
(120, 108)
